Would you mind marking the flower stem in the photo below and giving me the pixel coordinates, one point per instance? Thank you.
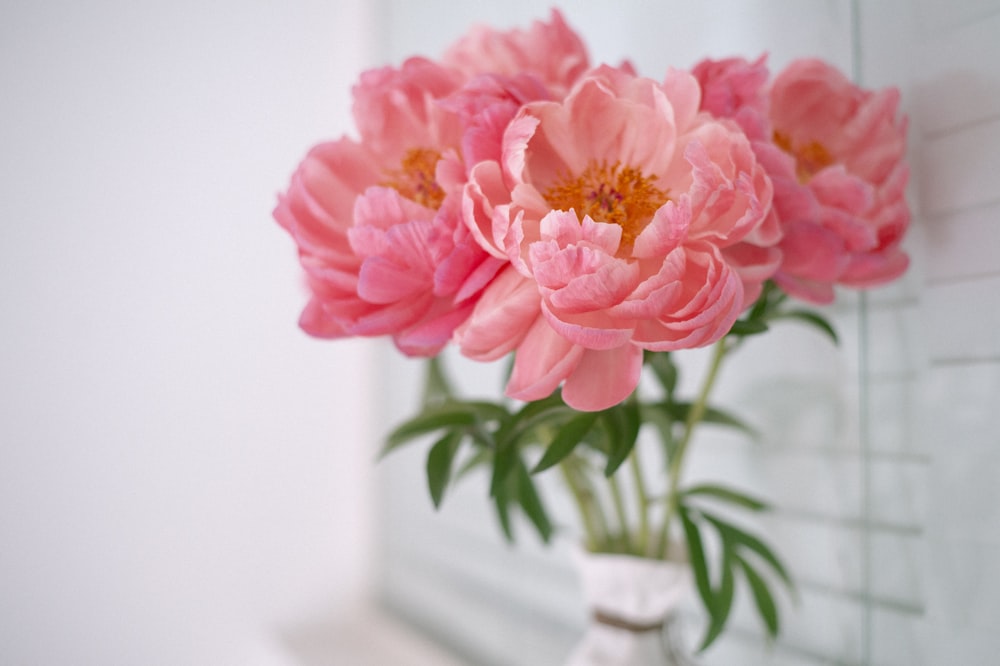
(594, 525)
(694, 417)
(642, 499)
(619, 504)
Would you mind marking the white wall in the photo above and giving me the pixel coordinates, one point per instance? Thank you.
(183, 474)
(935, 354)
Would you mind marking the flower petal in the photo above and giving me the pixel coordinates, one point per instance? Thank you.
(602, 379)
(543, 360)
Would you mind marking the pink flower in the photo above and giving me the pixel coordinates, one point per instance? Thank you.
(615, 208)
(835, 154)
(846, 146)
(734, 88)
(378, 222)
(550, 52)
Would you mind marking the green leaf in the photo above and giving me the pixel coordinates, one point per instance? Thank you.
(482, 456)
(566, 439)
(813, 319)
(696, 555)
(722, 599)
(664, 368)
(535, 408)
(726, 495)
(747, 540)
(622, 426)
(546, 411)
(744, 327)
(504, 462)
(455, 414)
(501, 501)
(437, 388)
(439, 462)
(427, 422)
(713, 415)
(531, 503)
(762, 598)
(658, 414)
(763, 302)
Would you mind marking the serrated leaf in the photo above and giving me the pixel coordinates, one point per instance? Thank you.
(749, 541)
(622, 425)
(762, 597)
(439, 462)
(569, 435)
(813, 319)
(726, 494)
(531, 503)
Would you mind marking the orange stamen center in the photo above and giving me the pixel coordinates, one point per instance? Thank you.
(617, 194)
(415, 178)
(809, 157)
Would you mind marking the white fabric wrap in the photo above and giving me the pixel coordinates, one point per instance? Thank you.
(634, 590)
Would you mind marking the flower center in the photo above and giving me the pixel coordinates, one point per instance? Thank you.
(415, 178)
(809, 157)
(617, 194)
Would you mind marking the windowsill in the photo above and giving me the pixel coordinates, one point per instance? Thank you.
(368, 636)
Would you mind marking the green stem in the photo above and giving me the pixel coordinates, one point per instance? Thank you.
(619, 504)
(642, 499)
(677, 461)
(594, 525)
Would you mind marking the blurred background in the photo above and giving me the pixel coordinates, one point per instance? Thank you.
(183, 473)
(186, 478)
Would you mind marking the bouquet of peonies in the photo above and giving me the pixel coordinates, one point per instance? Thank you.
(513, 199)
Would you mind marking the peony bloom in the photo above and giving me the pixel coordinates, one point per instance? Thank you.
(615, 208)
(735, 88)
(377, 222)
(835, 153)
(549, 52)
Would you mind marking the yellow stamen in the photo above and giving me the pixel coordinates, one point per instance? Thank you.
(415, 178)
(615, 194)
(809, 157)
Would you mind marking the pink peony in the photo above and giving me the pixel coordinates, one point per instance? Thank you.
(377, 222)
(835, 153)
(549, 52)
(615, 208)
(846, 145)
(735, 88)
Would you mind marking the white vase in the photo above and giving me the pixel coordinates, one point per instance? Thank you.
(632, 602)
